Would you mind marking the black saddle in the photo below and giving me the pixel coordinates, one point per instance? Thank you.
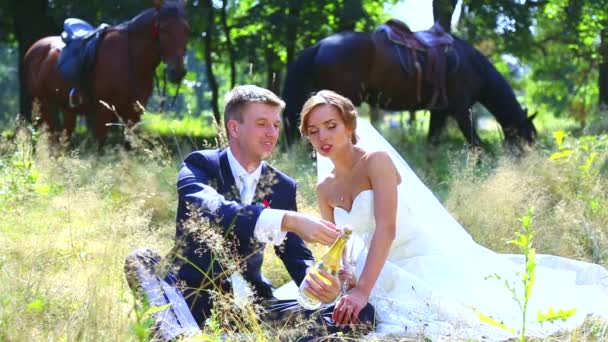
(78, 56)
(424, 54)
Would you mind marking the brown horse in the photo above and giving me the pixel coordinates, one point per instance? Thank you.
(366, 68)
(122, 76)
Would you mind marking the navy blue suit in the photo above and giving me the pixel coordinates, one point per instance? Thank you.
(210, 168)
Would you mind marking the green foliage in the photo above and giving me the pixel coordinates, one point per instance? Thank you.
(558, 41)
(62, 255)
(19, 177)
(9, 95)
(523, 240)
(582, 151)
(141, 328)
(202, 126)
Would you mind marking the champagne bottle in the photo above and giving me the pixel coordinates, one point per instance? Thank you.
(330, 262)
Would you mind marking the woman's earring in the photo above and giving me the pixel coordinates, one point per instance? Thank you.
(314, 154)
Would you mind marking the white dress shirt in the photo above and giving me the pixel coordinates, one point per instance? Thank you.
(268, 226)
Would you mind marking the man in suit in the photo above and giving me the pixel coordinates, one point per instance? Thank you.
(249, 202)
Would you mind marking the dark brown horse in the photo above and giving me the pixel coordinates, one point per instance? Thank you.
(367, 69)
(122, 76)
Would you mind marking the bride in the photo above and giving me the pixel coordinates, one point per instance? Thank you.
(416, 264)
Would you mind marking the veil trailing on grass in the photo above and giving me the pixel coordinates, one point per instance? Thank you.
(435, 280)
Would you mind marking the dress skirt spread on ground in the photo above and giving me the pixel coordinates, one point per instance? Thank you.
(436, 276)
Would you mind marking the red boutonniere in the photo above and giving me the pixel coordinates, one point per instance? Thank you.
(264, 204)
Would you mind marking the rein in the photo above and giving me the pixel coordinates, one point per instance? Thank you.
(163, 94)
(156, 38)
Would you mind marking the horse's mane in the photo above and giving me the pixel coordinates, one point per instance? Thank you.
(496, 94)
(169, 9)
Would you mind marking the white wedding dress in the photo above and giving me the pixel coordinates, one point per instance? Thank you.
(435, 275)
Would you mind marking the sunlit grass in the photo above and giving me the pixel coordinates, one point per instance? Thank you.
(199, 126)
(69, 220)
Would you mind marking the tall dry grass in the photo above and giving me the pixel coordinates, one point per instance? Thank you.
(69, 220)
(66, 227)
(570, 204)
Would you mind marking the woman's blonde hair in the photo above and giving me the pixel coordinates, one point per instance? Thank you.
(345, 107)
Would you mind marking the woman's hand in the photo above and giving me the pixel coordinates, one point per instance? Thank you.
(321, 290)
(349, 306)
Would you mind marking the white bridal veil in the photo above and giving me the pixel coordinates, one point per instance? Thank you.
(433, 251)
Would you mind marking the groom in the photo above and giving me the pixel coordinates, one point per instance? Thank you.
(246, 201)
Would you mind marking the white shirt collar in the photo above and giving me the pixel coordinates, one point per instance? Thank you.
(237, 169)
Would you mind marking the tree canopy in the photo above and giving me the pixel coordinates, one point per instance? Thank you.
(559, 45)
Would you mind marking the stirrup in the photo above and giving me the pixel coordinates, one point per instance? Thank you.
(71, 98)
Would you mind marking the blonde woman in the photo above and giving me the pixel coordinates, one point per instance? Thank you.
(418, 267)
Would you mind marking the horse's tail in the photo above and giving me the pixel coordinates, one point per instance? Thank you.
(495, 93)
(299, 82)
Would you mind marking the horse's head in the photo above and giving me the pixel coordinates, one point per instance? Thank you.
(521, 133)
(171, 28)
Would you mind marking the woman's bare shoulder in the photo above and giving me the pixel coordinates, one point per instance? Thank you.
(378, 158)
(381, 164)
(325, 185)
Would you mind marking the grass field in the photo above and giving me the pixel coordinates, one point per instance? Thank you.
(69, 218)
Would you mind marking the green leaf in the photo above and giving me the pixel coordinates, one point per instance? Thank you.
(42, 189)
(562, 154)
(589, 162)
(559, 138)
(491, 321)
(36, 306)
(552, 315)
(156, 309)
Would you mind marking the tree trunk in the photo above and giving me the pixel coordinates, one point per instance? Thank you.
(350, 13)
(273, 70)
(293, 21)
(603, 69)
(229, 46)
(208, 46)
(31, 22)
(442, 12)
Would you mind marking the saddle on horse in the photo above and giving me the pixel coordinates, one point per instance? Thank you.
(435, 42)
(78, 56)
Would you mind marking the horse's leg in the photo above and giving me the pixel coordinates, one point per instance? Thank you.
(49, 118)
(90, 120)
(69, 123)
(412, 119)
(375, 115)
(102, 120)
(467, 127)
(436, 126)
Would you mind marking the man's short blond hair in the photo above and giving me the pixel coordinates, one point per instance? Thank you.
(240, 96)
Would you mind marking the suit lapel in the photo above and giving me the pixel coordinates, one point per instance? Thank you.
(265, 184)
(259, 188)
(229, 189)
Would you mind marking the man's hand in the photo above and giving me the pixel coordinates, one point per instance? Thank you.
(310, 228)
(320, 289)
